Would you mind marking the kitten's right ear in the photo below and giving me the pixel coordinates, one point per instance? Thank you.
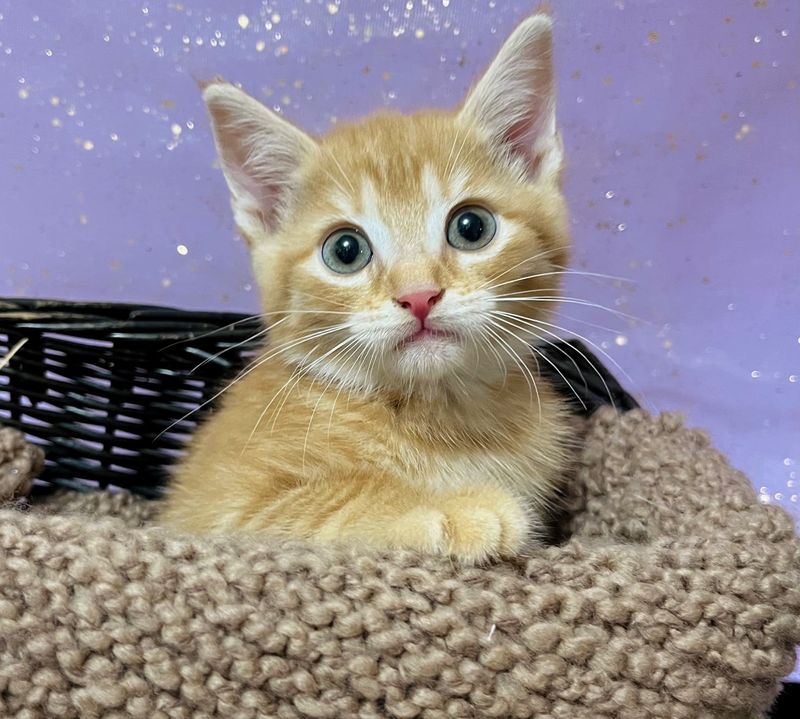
(260, 154)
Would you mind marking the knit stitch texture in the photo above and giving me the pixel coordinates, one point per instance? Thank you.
(677, 596)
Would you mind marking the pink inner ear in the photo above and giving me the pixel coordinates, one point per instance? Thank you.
(519, 138)
(261, 191)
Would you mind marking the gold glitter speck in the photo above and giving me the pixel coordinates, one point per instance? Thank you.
(176, 129)
(54, 101)
(260, 45)
(88, 145)
(743, 131)
(333, 8)
(182, 250)
(55, 122)
(243, 21)
(652, 37)
(23, 93)
(419, 33)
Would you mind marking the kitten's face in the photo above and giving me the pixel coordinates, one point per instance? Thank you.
(407, 250)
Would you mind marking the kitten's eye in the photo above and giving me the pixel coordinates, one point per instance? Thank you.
(346, 251)
(471, 228)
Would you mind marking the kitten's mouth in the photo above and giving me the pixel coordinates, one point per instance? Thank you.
(424, 334)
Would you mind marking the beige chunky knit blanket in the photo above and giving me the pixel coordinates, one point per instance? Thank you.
(677, 596)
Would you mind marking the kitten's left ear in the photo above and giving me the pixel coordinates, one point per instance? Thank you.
(514, 106)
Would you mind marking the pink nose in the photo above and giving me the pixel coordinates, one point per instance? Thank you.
(419, 303)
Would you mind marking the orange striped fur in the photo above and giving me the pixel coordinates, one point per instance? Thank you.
(351, 427)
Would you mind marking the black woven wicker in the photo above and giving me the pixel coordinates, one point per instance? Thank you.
(106, 388)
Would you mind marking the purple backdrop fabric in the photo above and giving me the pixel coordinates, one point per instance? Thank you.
(681, 124)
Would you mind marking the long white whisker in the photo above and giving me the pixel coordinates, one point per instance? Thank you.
(532, 258)
(537, 324)
(344, 346)
(589, 342)
(458, 155)
(301, 371)
(211, 332)
(275, 395)
(518, 361)
(344, 174)
(570, 301)
(254, 365)
(336, 183)
(487, 344)
(554, 345)
(373, 356)
(305, 371)
(553, 273)
(211, 358)
(527, 292)
(339, 390)
(587, 323)
(264, 331)
(544, 356)
(598, 348)
(324, 300)
(450, 154)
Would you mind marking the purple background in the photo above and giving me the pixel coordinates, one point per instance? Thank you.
(681, 120)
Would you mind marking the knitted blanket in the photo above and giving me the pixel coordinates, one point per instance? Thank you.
(676, 596)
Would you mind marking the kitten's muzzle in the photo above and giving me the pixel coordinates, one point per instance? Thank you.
(423, 334)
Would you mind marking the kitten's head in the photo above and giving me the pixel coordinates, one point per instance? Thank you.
(406, 250)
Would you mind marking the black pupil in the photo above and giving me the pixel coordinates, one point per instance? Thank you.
(470, 226)
(347, 249)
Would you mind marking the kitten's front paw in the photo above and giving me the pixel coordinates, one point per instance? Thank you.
(473, 526)
(485, 523)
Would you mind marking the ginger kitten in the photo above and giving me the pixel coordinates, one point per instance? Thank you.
(405, 263)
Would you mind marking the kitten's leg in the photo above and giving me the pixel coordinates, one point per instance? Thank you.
(472, 525)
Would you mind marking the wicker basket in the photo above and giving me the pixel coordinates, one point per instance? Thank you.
(112, 391)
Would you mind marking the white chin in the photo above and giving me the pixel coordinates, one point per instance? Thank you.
(429, 359)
